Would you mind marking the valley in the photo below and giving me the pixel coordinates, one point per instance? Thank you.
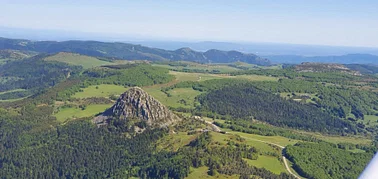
(182, 119)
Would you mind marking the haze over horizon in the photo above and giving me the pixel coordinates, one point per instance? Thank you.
(334, 23)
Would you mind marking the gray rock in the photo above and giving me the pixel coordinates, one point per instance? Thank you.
(137, 104)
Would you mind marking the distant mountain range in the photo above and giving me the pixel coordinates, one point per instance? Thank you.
(128, 51)
(343, 59)
(263, 49)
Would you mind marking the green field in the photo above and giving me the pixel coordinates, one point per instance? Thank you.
(183, 76)
(370, 120)
(180, 97)
(268, 162)
(173, 142)
(102, 90)
(221, 68)
(283, 141)
(201, 172)
(70, 113)
(79, 60)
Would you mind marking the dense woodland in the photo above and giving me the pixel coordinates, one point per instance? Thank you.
(248, 102)
(324, 160)
(81, 150)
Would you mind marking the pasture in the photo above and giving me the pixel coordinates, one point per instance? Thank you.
(201, 172)
(179, 97)
(184, 76)
(192, 66)
(75, 112)
(78, 60)
(270, 163)
(103, 90)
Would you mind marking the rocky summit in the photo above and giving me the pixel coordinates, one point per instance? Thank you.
(137, 104)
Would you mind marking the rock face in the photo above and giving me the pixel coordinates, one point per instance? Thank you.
(137, 104)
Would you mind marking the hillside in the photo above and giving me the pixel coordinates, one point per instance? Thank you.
(130, 51)
(342, 59)
(77, 59)
(324, 67)
(15, 54)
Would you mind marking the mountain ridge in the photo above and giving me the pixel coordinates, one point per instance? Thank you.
(128, 51)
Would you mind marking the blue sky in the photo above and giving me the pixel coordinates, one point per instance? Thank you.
(325, 22)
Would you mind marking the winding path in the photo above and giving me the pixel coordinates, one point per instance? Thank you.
(217, 129)
(283, 157)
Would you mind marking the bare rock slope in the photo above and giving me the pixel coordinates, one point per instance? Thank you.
(137, 104)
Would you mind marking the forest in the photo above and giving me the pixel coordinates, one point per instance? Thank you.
(324, 160)
(81, 150)
(248, 102)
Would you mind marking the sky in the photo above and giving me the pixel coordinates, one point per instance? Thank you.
(321, 22)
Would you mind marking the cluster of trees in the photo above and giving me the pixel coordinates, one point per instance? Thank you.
(290, 73)
(247, 102)
(339, 101)
(246, 126)
(34, 74)
(136, 75)
(325, 160)
(79, 149)
(15, 94)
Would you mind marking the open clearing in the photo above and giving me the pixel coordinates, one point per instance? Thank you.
(10, 91)
(268, 162)
(183, 76)
(71, 113)
(201, 172)
(283, 141)
(369, 120)
(79, 60)
(180, 97)
(102, 90)
(221, 68)
(173, 142)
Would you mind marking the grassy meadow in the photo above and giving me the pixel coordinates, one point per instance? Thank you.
(270, 163)
(71, 113)
(103, 90)
(184, 76)
(79, 60)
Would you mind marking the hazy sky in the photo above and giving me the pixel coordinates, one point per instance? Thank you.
(327, 22)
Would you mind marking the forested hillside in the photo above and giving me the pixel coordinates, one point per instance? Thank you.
(32, 75)
(130, 52)
(323, 160)
(245, 101)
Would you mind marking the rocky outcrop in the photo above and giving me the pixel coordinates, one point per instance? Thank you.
(137, 104)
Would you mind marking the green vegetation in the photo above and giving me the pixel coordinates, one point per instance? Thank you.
(244, 101)
(324, 160)
(272, 164)
(183, 76)
(35, 75)
(259, 111)
(102, 90)
(202, 172)
(184, 66)
(129, 75)
(69, 113)
(78, 60)
(179, 97)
